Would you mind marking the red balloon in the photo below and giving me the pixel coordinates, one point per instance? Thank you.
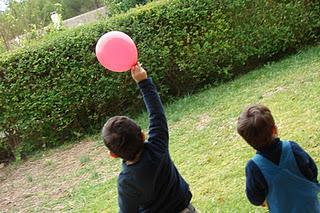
(116, 51)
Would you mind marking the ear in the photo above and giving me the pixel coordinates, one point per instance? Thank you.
(275, 131)
(113, 155)
(143, 136)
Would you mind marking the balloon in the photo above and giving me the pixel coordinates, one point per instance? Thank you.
(116, 51)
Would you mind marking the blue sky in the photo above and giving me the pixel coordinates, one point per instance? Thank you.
(2, 5)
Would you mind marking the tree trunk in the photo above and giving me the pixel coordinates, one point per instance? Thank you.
(2, 36)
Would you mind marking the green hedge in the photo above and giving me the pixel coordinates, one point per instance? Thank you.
(121, 6)
(56, 90)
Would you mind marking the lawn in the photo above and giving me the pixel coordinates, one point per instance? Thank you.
(203, 140)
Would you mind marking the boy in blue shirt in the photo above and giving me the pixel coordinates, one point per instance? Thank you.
(149, 181)
(281, 175)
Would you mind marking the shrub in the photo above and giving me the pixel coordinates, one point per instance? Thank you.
(56, 90)
(121, 6)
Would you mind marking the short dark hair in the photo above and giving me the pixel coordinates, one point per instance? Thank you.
(123, 137)
(255, 125)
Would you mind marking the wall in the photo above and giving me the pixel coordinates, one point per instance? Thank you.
(88, 17)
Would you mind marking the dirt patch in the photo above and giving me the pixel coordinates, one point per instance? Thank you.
(33, 183)
(274, 91)
(203, 121)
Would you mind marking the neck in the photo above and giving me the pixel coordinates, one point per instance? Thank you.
(136, 159)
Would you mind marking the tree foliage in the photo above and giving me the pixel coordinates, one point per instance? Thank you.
(24, 16)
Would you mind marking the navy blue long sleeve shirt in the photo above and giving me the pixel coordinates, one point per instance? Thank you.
(256, 185)
(153, 184)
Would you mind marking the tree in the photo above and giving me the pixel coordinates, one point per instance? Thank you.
(6, 34)
(22, 16)
(73, 8)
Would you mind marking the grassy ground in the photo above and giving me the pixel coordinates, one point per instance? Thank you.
(203, 140)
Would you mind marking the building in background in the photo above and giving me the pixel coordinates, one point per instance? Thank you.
(89, 17)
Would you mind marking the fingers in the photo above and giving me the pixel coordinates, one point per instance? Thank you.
(136, 68)
(138, 73)
(133, 71)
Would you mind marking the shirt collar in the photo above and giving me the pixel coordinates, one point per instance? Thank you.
(269, 147)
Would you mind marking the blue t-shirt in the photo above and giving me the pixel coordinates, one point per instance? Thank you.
(153, 184)
(256, 184)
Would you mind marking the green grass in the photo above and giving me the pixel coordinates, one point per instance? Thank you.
(203, 140)
(84, 159)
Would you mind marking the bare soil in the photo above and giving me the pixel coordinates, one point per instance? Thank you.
(25, 187)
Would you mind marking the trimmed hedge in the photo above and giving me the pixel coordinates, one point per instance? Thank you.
(121, 6)
(56, 90)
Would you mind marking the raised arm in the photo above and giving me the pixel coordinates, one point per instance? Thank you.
(158, 129)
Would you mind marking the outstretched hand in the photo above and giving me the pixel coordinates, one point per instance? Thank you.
(138, 73)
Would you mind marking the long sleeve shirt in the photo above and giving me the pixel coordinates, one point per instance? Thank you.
(153, 184)
(256, 184)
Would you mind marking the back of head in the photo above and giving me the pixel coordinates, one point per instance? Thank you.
(123, 137)
(256, 125)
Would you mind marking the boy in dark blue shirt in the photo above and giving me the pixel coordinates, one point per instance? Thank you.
(281, 175)
(149, 181)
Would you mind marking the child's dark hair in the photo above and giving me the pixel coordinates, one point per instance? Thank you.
(123, 137)
(255, 125)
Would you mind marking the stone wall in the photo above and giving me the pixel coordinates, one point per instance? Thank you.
(92, 16)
